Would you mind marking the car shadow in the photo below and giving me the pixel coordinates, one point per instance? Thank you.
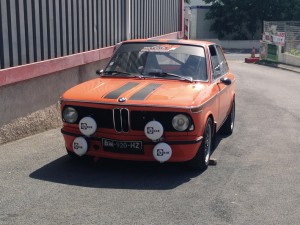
(116, 174)
(217, 140)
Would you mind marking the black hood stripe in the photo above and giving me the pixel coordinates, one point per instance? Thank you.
(117, 93)
(143, 93)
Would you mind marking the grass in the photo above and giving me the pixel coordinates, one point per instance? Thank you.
(295, 52)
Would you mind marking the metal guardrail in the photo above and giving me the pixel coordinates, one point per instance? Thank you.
(34, 30)
(154, 17)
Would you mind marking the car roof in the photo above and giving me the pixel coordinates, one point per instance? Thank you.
(171, 41)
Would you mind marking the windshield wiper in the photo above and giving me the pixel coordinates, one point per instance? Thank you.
(165, 74)
(126, 74)
(115, 72)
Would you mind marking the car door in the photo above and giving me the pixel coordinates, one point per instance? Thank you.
(220, 70)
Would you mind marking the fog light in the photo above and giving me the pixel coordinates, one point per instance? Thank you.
(80, 146)
(154, 130)
(87, 126)
(162, 152)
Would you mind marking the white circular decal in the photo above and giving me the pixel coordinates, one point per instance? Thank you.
(80, 146)
(87, 126)
(154, 130)
(162, 152)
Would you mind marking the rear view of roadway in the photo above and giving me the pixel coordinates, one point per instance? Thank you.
(256, 180)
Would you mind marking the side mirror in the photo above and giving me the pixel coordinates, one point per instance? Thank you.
(99, 72)
(225, 80)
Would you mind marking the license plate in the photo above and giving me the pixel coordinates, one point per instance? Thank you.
(135, 147)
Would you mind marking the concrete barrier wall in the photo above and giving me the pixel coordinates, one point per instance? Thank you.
(289, 59)
(31, 106)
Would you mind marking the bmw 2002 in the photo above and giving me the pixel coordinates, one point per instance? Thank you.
(156, 100)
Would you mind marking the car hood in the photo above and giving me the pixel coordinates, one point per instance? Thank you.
(158, 92)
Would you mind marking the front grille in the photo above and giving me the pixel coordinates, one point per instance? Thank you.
(121, 119)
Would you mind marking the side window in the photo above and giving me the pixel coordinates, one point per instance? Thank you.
(223, 64)
(214, 62)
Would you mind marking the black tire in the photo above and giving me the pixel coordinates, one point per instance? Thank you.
(228, 126)
(201, 159)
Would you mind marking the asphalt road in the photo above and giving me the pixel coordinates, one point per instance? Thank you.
(256, 180)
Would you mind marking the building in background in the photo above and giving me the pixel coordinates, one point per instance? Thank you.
(199, 27)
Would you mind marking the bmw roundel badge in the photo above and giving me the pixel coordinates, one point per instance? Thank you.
(122, 100)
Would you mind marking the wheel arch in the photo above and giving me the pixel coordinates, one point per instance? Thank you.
(233, 100)
(211, 116)
(214, 130)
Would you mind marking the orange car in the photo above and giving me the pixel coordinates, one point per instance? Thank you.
(157, 100)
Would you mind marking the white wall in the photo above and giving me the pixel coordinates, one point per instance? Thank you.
(289, 59)
(198, 2)
(236, 44)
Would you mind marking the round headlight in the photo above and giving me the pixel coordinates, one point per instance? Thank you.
(70, 115)
(180, 122)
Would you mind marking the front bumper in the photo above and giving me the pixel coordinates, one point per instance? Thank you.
(182, 150)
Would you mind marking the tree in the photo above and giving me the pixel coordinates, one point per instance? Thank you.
(244, 18)
(187, 1)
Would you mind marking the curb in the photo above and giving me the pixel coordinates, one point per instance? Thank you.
(279, 66)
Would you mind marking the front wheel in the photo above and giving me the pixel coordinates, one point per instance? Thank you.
(201, 159)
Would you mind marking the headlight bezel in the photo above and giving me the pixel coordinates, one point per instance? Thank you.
(186, 126)
(69, 118)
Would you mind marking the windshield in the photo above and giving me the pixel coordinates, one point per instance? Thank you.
(154, 59)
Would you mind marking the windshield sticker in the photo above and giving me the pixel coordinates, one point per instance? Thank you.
(160, 48)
